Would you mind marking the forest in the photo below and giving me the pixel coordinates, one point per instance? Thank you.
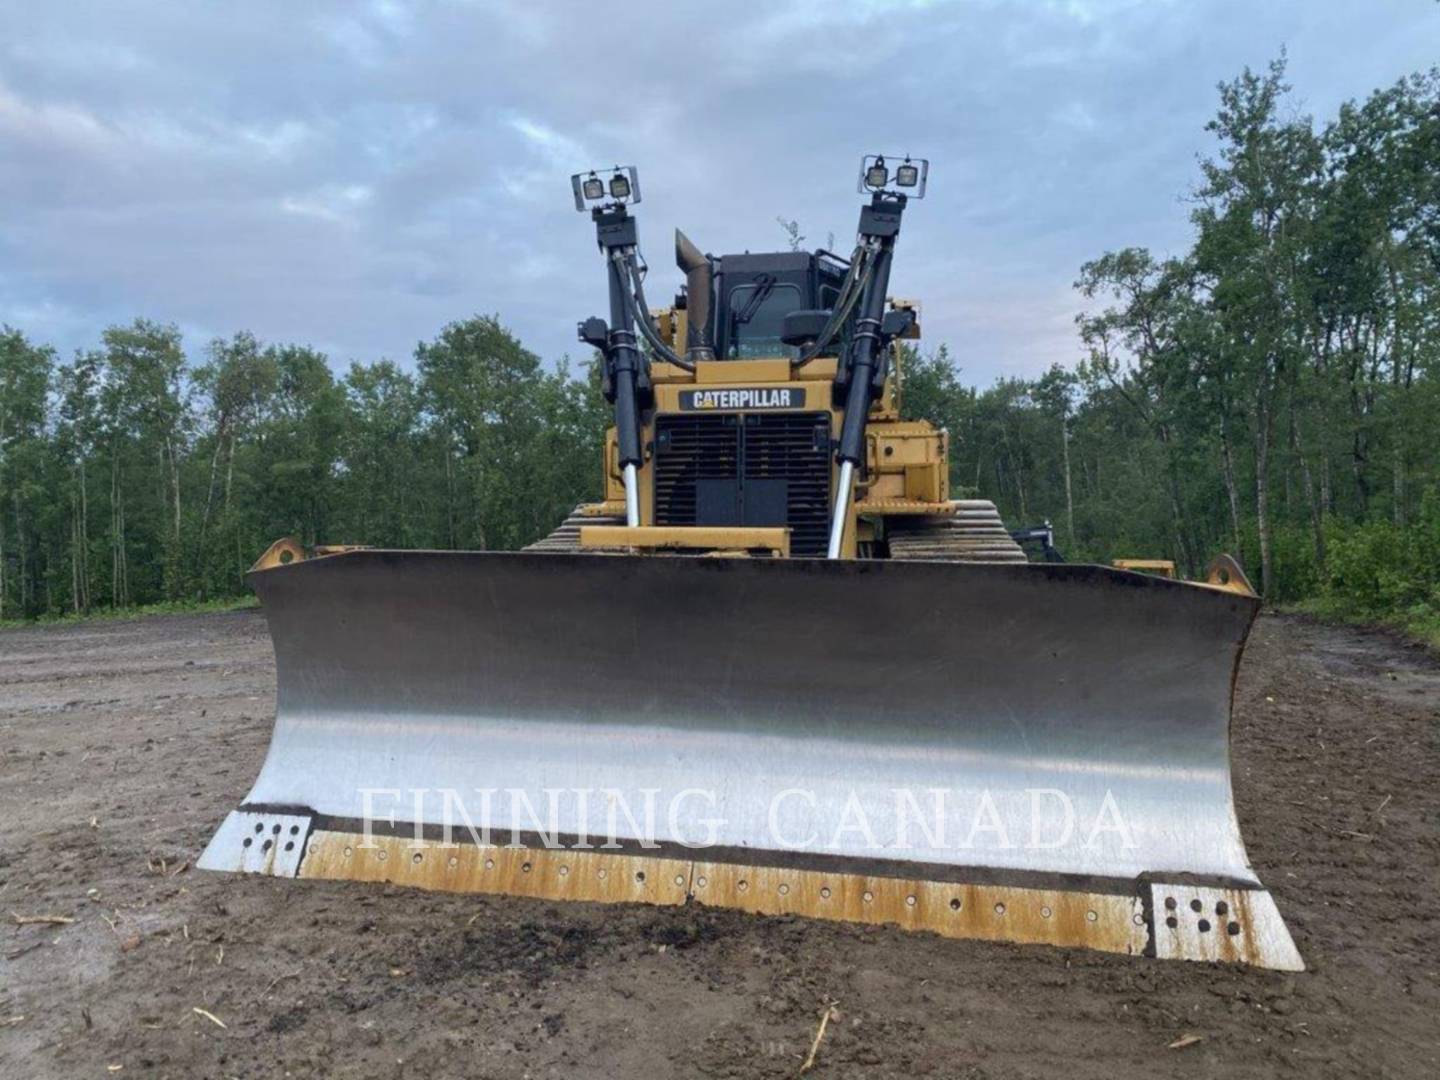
(1273, 392)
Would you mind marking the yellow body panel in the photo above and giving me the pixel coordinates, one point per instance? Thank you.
(775, 541)
(743, 371)
(908, 462)
(907, 467)
(1224, 572)
(1163, 567)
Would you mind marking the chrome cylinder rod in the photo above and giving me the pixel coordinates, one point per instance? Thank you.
(632, 496)
(842, 510)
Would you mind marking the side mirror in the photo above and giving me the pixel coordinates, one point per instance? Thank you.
(800, 328)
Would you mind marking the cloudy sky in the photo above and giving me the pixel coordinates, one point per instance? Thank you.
(355, 175)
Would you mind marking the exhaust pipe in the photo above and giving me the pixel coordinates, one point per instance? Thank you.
(699, 283)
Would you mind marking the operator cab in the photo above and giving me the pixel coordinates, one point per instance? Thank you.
(754, 293)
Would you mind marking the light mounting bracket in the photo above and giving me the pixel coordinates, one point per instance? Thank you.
(893, 175)
(619, 186)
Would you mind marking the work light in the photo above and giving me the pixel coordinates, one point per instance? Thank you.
(908, 179)
(622, 183)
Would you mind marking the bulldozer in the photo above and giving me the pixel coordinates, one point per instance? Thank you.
(776, 667)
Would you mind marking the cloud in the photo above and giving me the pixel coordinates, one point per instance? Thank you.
(560, 150)
(357, 174)
(55, 126)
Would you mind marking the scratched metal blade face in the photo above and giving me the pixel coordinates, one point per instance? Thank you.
(1055, 719)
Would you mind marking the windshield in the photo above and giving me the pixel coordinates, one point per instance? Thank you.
(757, 310)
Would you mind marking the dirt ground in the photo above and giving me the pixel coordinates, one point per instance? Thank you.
(123, 744)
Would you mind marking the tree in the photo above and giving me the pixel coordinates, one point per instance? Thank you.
(77, 439)
(1055, 392)
(146, 428)
(1142, 348)
(239, 385)
(1258, 202)
(381, 500)
(480, 388)
(25, 377)
(297, 451)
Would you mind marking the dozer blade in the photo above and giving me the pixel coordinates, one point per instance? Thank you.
(1033, 753)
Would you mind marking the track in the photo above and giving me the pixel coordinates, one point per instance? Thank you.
(566, 537)
(974, 533)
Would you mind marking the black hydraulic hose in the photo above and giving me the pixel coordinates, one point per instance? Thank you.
(844, 301)
(640, 312)
(861, 268)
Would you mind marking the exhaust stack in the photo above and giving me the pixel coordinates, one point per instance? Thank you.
(699, 284)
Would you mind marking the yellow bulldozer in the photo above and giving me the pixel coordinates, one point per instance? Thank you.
(776, 667)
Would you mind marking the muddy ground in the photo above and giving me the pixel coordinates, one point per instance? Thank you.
(123, 744)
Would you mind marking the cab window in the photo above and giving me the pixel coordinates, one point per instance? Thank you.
(757, 312)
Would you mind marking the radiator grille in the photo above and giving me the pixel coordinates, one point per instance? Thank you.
(789, 447)
(687, 449)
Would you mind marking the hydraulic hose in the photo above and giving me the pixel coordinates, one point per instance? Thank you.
(640, 313)
(853, 287)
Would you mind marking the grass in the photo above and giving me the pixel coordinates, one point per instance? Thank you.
(1421, 623)
(138, 611)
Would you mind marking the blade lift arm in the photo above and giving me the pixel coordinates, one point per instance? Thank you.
(626, 376)
(860, 378)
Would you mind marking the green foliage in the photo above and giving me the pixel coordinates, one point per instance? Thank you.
(1380, 570)
(163, 607)
(1274, 391)
(25, 379)
(128, 478)
(510, 434)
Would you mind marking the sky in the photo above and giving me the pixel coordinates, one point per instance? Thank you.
(356, 175)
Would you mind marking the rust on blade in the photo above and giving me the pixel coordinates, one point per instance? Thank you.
(988, 912)
(1181, 921)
